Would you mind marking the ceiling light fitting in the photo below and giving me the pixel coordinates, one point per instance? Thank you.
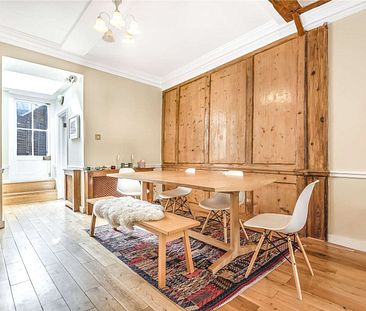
(128, 23)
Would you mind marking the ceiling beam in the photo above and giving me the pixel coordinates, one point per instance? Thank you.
(285, 8)
(311, 6)
(298, 24)
(290, 10)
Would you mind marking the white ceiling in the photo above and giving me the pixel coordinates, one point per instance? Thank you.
(179, 38)
(19, 75)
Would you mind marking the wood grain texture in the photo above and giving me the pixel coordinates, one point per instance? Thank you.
(73, 188)
(192, 126)
(318, 209)
(28, 192)
(285, 121)
(228, 114)
(170, 126)
(279, 197)
(338, 282)
(275, 104)
(317, 100)
(286, 8)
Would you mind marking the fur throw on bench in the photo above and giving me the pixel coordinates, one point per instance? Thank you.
(127, 211)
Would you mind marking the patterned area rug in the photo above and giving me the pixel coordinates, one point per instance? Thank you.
(200, 290)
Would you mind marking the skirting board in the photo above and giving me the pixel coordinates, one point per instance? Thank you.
(347, 242)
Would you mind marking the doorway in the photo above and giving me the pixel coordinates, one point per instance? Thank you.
(38, 102)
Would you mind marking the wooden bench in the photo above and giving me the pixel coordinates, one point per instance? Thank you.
(170, 228)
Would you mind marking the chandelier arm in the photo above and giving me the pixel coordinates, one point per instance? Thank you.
(108, 16)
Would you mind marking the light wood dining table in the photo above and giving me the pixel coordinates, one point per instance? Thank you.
(213, 182)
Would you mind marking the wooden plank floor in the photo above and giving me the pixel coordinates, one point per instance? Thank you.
(48, 262)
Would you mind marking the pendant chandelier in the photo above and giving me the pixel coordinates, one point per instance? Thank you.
(105, 22)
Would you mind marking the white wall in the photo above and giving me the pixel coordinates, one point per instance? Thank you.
(347, 131)
(72, 106)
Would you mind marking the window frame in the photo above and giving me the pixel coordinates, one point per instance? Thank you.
(32, 129)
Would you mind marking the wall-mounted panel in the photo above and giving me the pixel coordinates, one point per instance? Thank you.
(170, 113)
(279, 197)
(276, 103)
(264, 113)
(228, 114)
(193, 112)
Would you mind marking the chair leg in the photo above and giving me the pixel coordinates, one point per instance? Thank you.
(225, 225)
(294, 268)
(188, 253)
(206, 221)
(269, 238)
(255, 255)
(304, 254)
(166, 205)
(245, 231)
(174, 202)
(92, 225)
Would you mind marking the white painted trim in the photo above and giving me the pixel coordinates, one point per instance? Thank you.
(29, 42)
(347, 242)
(348, 174)
(259, 37)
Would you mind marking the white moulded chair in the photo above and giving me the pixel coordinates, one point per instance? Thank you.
(287, 226)
(128, 186)
(219, 206)
(176, 199)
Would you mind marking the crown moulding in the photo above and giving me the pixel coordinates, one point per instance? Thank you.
(259, 37)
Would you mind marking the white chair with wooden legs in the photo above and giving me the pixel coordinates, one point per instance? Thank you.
(176, 199)
(286, 226)
(219, 206)
(128, 187)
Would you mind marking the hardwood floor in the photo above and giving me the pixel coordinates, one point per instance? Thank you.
(48, 262)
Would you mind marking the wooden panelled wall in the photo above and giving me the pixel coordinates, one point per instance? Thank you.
(264, 113)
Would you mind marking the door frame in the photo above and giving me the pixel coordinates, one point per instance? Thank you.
(60, 140)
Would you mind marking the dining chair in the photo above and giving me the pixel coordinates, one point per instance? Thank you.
(286, 227)
(128, 186)
(219, 206)
(177, 199)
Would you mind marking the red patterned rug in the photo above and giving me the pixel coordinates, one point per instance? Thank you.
(200, 290)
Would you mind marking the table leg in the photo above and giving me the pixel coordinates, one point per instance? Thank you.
(235, 249)
(162, 261)
(150, 195)
(144, 186)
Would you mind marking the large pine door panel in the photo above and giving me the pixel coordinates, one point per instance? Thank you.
(193, 112)
(279, 197)
(170, 114)
(278, 105)
(228, 114)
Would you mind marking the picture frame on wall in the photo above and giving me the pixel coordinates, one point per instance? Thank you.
(74, 127)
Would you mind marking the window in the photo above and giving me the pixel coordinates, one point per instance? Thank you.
(32, 129)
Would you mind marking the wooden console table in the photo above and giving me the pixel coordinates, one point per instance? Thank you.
(72, 188)
(97, 184)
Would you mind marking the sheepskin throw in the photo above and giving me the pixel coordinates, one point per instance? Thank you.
(127, 211)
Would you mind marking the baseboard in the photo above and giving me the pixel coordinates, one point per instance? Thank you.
(347, 242)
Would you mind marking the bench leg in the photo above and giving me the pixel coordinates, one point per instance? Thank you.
(92, 225)
(162, 261)
(188, 253)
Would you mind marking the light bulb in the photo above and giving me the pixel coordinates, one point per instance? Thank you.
(117, 20)
(133, 28)
(100, 25)
(128, 38)
(108, 36)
